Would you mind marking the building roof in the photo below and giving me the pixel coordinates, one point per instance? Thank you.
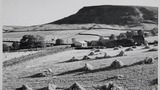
(81, 41)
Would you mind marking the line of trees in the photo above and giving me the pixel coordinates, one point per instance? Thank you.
(29, 42)
(130, 34)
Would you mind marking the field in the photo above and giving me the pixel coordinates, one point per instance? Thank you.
(103, 32)
(21, 69)
(136, 77)
(64, 34)
(11, 55)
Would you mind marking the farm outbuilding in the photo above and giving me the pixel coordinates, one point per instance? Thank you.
(80, 44)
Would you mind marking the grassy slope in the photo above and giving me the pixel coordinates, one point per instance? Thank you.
(134, 77)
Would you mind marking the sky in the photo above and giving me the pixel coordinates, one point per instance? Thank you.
(35, 12)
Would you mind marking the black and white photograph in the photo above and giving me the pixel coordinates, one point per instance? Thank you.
(79, 45)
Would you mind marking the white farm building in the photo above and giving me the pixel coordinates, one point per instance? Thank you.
(80, 44)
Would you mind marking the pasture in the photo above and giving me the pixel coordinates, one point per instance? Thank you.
(136, 77)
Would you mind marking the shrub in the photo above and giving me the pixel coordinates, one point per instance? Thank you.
(6, 47)
(15, 45)
(31, 41)
(59, 42)
(122, 36)
(140, 32)
(112, 37)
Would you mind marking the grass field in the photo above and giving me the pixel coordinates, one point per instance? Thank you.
(58, 34)
(136, 77)
(103, 32)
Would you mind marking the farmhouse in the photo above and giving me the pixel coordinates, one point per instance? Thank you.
(80, 44)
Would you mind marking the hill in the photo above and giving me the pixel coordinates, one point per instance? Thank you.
(105, 16)
(108, 14)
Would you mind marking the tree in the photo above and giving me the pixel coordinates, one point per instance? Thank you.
(129, 34)
(154, 32)
(31, 41)
(6, 47)
(122, 36)
(112, 37)
(146, 34)
(15, 45)
(59, 42)
(134, 33)
(140, 32)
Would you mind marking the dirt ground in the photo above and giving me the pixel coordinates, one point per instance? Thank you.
(137, 77)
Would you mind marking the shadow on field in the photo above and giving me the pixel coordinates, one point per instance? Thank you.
(76, 60)
(38, 75)
(107, 79)
(72, 71)
(110, 68)
(154, 82)
(44, 88)
(69, 61)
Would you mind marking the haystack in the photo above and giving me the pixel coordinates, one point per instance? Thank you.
(120, 46)
(105, 55)
(122, 53)
(24, 87)
(155, 87)
(91, 53)
(109, 86)
(134, 46)
(119, 76)
(153, 49)
(73, 59)
(116, 48)
(148, 60)
(49, 70)
(97, 50)
(99, 57)
(146, 47)
(85, 57)
(87, 67)
(51, 87)
(116, 64)
(129, 49)
(155, 44)
(76, 86)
